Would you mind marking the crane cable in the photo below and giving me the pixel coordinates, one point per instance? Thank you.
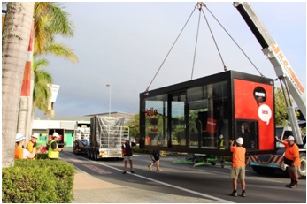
(235, 42)
(199, 7)
(147, 89)
(217, 47)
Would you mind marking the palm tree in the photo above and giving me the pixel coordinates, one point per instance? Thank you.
(41, 93)
(52, 20)
(15, 38)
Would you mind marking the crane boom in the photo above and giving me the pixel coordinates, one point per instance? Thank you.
(281, 65)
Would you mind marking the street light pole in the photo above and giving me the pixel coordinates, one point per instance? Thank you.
(109, 85)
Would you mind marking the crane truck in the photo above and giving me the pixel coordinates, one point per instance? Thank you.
(291, 87)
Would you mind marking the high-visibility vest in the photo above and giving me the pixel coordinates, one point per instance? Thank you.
(18, 154)
(52, 153)
(221, 144)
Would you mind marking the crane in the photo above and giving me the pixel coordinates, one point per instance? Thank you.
(281, 66)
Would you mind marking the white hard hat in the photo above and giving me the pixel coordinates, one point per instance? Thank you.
(290, 138)
(35, 135)
(240, 141)
(221, 136)
(19, 137)
(55, 134)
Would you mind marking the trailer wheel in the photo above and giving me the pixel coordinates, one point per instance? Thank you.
(89, 154)
(95, 155)
(302, 169)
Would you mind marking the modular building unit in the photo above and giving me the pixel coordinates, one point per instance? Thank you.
(190, 116)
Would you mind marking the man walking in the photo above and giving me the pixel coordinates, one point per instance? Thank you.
(156, 159)
(238, 165)
(291, 158)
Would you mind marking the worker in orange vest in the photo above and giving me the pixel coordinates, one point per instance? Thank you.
(20, 152)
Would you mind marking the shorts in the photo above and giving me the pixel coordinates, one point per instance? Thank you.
(126, 158)
(293, 168)
(238, 172)
(156, 158)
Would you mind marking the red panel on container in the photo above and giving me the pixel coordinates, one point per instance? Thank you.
(256, 105)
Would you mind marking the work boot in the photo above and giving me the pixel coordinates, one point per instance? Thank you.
(125, 172)
(149, 166)
(234, 193)
(243, 193)
(294, 184)
(159, 169)
(291, 183)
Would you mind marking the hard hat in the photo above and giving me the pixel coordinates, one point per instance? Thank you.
(35, 135)
(19, 137)
(55, 134)
(290, 138)
(221, 136)
(240, 141)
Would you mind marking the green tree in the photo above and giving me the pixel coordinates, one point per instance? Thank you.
(51, 20)
(15, 39)
(281, 112)
(134, 127)
(41, 93)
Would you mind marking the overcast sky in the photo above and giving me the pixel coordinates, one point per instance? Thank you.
(123, 44)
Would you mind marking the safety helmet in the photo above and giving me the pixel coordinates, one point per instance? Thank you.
(35, 135)
(55, 134)
(221, 136)
(19, 137)
(240, 141)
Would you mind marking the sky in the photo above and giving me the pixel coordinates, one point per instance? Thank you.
(124, 44)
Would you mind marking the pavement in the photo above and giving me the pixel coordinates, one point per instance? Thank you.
(88, 189)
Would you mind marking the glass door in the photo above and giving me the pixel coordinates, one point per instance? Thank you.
(178, 124)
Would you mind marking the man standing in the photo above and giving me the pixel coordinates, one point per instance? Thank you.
(238, 165)
(291, 158)
(32, 143)
(128, 152)
(53, 150)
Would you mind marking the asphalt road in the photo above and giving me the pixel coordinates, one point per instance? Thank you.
(207, 181)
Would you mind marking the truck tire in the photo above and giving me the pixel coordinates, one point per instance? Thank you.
(95, 155)
(302, 169)
(89, 154)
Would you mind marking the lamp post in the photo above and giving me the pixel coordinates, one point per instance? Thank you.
(109, 85)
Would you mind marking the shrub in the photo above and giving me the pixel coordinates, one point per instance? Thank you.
(38, 181)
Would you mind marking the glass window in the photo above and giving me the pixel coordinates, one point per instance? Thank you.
(178, 120)
(248, 130)
(208, 115)
(156, 121)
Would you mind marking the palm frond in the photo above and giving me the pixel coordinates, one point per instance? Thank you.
(61, 50)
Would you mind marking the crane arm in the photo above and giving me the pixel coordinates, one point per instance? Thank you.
(281, 65)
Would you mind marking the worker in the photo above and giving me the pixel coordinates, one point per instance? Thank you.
(20, 152)
(127, 151)
(155, 160)
(238, 165)
(53, 150)
(32, 143)
(291, 158)
(221, 146)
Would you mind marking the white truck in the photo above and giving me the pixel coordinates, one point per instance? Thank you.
(81, 137)
(290, 86)
(107, 134)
